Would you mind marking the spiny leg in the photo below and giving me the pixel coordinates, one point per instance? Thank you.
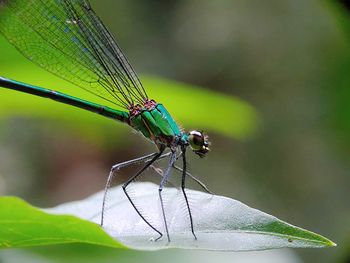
(162, 183)
(183, 188)
(111, 175)
(161, 157)
(156, 157)
(201, 184)
(160, 172)
(115, 168)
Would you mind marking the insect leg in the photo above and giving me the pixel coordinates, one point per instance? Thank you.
(183, 189)
(160, 172)
(205, 188)
(156, 156)
(162, 183)
(115, 168)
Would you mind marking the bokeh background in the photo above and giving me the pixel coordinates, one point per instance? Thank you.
(281, 143)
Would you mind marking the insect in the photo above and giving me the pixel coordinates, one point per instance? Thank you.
(68, 39)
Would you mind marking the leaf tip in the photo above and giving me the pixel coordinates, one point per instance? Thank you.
(328, 243)
(331, 244)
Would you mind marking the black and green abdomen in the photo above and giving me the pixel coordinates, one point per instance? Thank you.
(156, 124)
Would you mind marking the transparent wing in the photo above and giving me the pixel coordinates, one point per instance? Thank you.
(67, 38)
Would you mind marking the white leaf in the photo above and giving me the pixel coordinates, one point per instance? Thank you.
(220, 223)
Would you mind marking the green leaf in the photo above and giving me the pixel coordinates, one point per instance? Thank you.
(22, 225)
(220, 223)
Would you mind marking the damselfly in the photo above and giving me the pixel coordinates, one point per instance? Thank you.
(68, 39)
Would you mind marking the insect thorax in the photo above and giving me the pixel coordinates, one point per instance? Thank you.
(156, 124)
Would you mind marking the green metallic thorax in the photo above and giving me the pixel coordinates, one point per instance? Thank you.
(157, 125)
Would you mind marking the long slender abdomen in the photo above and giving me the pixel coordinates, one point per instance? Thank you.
(66, 99)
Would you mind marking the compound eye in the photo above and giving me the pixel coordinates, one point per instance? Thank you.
(196, 140)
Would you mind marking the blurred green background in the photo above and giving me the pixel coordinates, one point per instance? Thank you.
(278, 73)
